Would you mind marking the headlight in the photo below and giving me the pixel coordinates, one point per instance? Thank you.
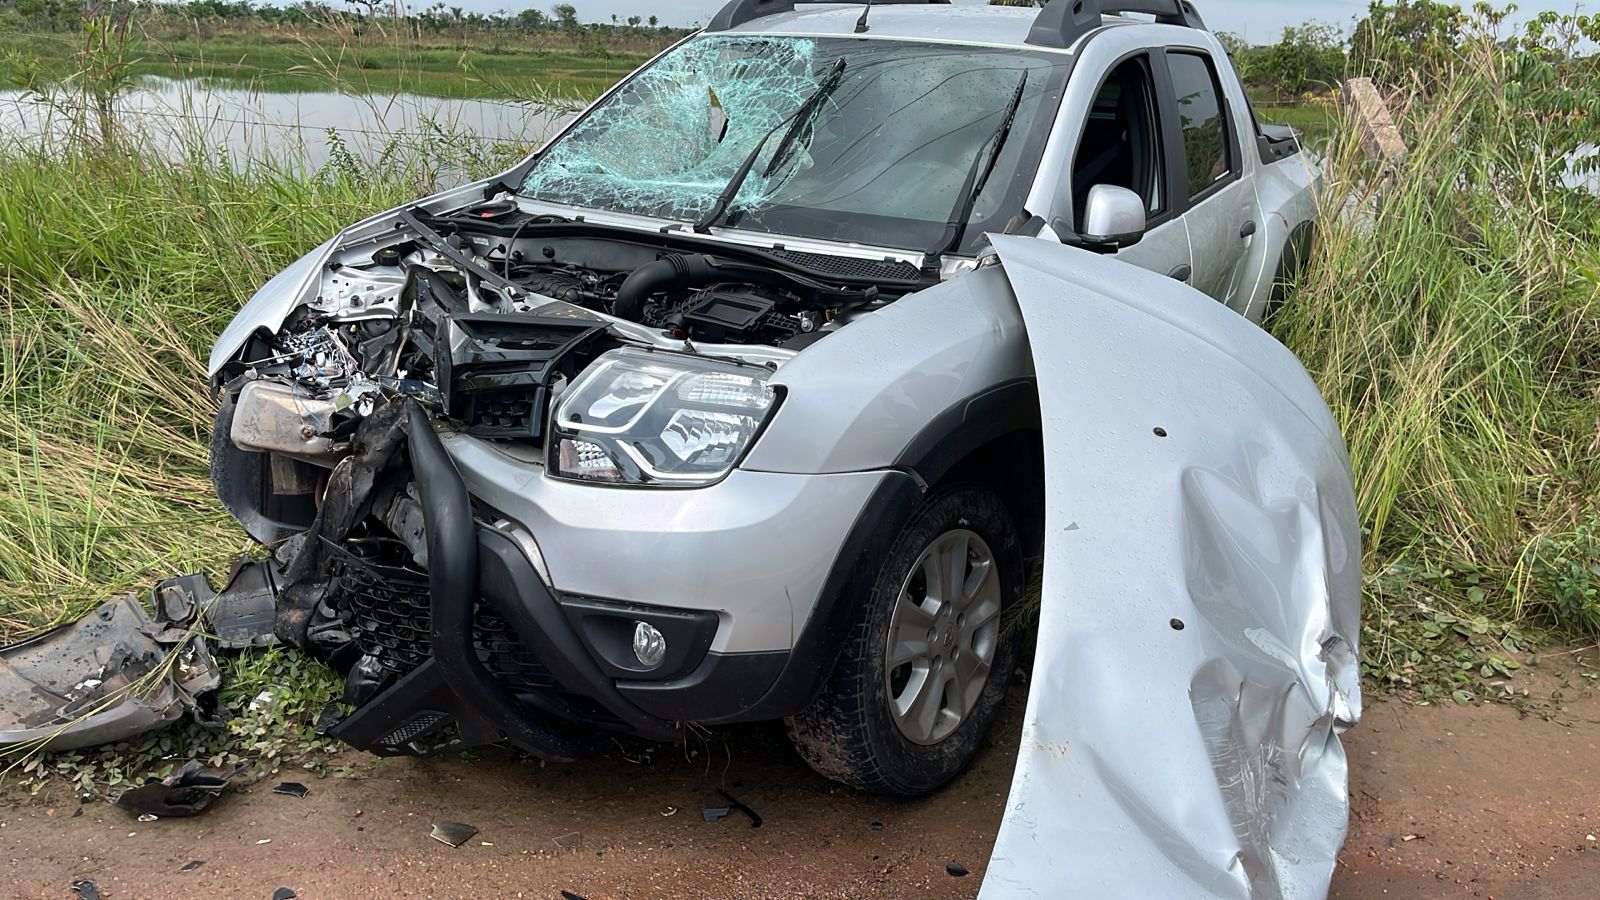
(667, 419)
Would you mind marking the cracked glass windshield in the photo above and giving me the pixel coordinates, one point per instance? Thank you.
(879, 155)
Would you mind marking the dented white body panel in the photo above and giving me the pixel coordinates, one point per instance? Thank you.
(1197, 644)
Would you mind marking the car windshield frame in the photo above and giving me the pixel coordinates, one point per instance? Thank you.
(668, 140)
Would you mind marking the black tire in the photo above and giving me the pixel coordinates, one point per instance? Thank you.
(849, 733)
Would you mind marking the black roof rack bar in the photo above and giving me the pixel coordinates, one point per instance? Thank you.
(1062, 22)
(738, 12)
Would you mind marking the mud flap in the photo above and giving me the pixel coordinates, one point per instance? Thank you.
(1197, 653)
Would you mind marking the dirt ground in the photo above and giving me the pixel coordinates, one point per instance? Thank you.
(1447, 802)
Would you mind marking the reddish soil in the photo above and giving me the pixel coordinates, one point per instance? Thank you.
(1480, 802)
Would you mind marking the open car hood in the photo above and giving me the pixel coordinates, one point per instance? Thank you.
(1197, 653)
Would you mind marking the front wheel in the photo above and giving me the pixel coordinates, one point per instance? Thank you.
(925, 667)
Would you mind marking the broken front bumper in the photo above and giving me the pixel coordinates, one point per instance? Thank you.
(523, 624)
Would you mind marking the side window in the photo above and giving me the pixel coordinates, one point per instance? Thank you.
(1198, 98)
(1120, 146)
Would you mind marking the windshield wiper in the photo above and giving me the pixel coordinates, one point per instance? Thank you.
(796, 123)
(978, 176)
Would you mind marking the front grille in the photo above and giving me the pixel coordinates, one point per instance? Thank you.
(390, 609)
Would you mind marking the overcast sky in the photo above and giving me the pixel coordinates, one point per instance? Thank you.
(1257, 20)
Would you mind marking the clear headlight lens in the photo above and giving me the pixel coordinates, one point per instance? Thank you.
(639, 417)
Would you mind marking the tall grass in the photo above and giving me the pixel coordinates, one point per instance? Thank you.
(118, 267)
(1452, 319)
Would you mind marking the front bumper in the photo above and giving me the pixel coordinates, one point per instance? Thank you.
(505, 637)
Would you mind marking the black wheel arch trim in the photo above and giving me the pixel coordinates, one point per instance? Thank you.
(956, 433)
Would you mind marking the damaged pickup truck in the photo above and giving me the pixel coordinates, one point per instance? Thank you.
(726, 404)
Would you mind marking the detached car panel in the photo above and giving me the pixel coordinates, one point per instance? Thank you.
(1202, 586)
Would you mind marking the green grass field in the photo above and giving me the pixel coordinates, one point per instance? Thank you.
(273, 61)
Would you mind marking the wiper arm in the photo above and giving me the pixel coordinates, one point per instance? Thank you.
(978, 176)
(796, 123)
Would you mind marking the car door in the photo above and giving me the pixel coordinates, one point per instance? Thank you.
(1203, 135)
(1116, 135)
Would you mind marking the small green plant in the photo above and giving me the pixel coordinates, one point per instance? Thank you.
(1566, 577)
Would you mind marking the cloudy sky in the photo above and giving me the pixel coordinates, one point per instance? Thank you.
(1256, 20)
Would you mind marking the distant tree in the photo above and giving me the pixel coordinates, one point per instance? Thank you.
(1308, 57)
(1408, 42)
(567, 16)
(653, 21)
(633, 21)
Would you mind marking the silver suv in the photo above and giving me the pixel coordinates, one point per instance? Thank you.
(720, 406)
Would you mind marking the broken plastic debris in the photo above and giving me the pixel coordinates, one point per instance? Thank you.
(191, 865)
(186, 792)
(74, 686)
(453, 833)
(86, 890)
(293, 789)
(956, 869)
(713, 813)
(284, 893)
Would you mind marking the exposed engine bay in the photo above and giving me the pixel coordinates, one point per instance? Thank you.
(488, 312)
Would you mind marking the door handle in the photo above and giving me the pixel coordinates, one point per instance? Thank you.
(1182, 273)
(1247, 229)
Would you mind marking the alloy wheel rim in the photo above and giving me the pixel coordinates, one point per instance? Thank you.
(943, 632)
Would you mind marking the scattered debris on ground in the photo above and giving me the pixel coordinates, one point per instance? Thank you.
(453, 833)
(293, 789)
(186, 792)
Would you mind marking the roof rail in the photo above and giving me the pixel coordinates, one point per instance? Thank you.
(1063, 22)
(738, 12)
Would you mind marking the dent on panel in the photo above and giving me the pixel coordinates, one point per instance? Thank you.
(1201, 760)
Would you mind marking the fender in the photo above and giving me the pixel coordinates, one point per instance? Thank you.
(862, 398)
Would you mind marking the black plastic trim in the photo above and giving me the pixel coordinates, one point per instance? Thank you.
(453, 589)
(725, 687)
(1063, 22)
(514, 590)
(952, 435)
(606, 627)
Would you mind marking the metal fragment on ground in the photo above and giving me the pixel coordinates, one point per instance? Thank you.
(453, 833)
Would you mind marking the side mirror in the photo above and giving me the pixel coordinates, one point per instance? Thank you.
(1113, 219)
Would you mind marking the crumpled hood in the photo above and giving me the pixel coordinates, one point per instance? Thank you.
(1197, 653)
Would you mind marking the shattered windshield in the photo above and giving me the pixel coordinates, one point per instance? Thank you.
(881, 159)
